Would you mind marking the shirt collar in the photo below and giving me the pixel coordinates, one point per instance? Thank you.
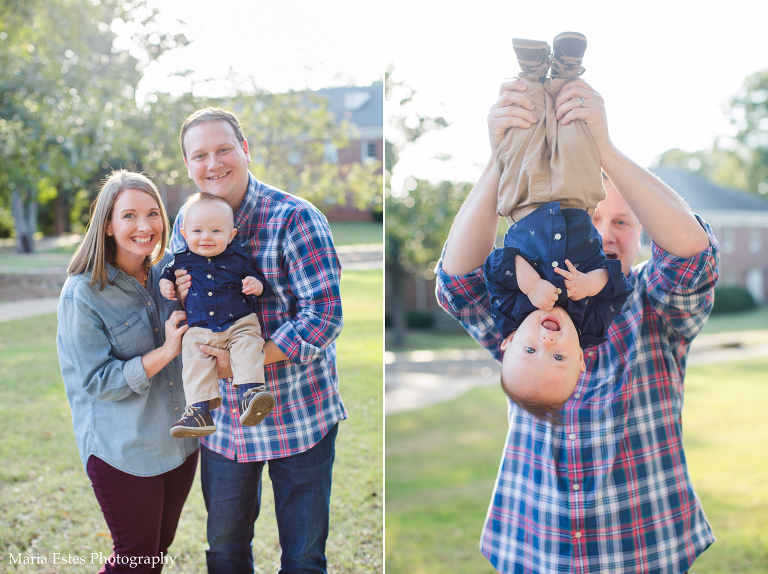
(233, 247)
(111, 272)
(245, 211)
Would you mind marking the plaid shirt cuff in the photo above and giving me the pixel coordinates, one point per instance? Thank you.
(681, 273)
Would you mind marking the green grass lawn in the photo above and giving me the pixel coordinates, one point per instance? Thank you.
(46, 501)
(744, 321)
(355, 232)
(425, 339)
(442, 461)
(28, 261)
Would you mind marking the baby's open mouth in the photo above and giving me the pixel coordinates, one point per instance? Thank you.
(550, 324)
(610, 255)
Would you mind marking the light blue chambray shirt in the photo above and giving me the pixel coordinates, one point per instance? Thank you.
(119, 415)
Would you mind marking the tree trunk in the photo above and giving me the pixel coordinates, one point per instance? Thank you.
(25, 221)
(60, 214)
(397, 310)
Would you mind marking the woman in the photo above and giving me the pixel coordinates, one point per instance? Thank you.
(122, 372)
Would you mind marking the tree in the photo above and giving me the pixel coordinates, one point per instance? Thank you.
(289, 136)
(66, 98)
(740, 161)
(409, 212)
(749, 114)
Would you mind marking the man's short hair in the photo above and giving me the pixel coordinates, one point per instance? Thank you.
(203, 198)
(211, 115)
(540, 410)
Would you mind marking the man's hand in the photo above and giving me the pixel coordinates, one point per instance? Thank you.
(272, 354)
(543, 295)
(252, 286)
(511, 110)
(223, 368)
(568, 108)
(167, 290)
(183, 283)
(580, 285)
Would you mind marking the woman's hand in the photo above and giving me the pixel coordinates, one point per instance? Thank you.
(223, 367)
(568, 107)
(511, 110)
(174, 332)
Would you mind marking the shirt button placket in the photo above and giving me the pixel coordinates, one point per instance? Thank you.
(210, 302)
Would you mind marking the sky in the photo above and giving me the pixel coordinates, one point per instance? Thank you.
(288, 45)
(665, 68)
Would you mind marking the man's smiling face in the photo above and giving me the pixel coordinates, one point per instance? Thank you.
(217, 160)
(618, 226)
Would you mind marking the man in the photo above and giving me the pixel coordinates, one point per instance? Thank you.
(290, 242)
(608, 491)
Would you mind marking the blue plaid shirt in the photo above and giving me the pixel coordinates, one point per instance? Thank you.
(608, 491)
(290, 242)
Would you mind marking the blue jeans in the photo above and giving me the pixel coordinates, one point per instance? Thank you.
(302, 489)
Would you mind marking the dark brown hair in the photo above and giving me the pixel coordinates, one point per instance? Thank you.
(540, 410)
(211, 115)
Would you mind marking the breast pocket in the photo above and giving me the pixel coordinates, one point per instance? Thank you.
(132, 336)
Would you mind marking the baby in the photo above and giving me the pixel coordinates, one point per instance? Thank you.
(553, 292)
(220, 314)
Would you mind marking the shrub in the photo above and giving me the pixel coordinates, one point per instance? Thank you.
(732, 300)
(419, 320)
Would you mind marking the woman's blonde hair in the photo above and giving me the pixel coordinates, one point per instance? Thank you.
(97, 248)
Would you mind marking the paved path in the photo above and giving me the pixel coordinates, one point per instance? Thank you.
(422, 378)
(352, 257)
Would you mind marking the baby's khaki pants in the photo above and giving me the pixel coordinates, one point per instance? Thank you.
(548, 161)
(246, 348)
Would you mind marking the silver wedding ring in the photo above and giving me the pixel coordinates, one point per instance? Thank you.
(581, 102)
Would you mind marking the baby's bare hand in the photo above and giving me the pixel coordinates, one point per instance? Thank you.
(576, 283)
(252, 286)
(544, 295)
(167, 290)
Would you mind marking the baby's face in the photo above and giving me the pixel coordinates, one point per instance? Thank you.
(543, 358)
(208, 228)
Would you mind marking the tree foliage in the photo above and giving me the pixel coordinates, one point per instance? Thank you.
(66, 95)
(749, 114)
(416, 208)
(69, 72)
(419, 216)
(408, 125)
(417, 225)
(740, 161)
(290, 136)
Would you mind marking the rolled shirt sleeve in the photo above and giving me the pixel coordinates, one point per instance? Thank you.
(682, 290)
(466, 299)
(85, 354)
(314, 274)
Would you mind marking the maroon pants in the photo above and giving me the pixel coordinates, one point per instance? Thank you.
(142, 512)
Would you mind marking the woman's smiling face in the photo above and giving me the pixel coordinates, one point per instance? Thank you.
(136, 224)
